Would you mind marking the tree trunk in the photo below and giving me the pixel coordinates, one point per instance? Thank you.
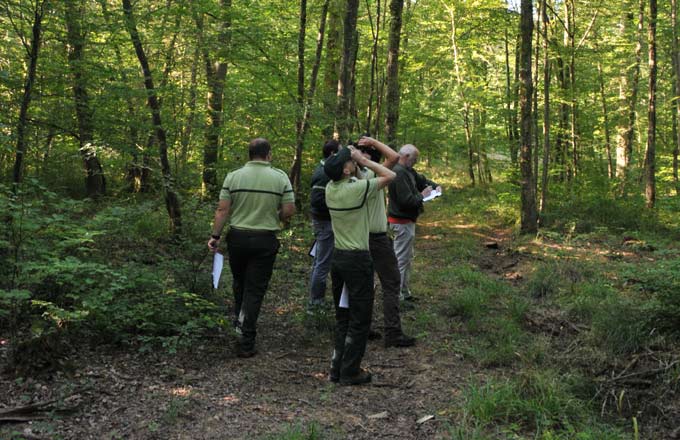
(650, 153)
(95, 184)
(628, 99)
(528, 196)
(534, 111)
(460, 86)
(375, 30)
(571, 20)
(171, 200)
(216, 73)
(22, 125)
(344, 116)
(605, 113)
(392, 98)
(546, 109)
(676, 92)
(302, 125)
(512, 141)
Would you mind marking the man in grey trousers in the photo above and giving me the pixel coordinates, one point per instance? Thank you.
(406, 194)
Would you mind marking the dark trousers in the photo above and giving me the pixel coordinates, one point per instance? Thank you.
(387, 268)
(251, 258)
(355, 270)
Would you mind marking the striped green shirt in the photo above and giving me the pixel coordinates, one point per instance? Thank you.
(256, 191)
(346, 200)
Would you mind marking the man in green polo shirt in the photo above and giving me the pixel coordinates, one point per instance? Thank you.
(255, 199)
(352, 266)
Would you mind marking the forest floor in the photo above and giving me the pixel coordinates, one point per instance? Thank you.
(481, 338)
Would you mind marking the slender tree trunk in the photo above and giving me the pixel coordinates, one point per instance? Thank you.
(571, 19)
(546, 109)
(375, 30)
(512, 142)
(460, 87)
(354, 114)
(329, 96)
(302, 125)
(345, 82)
(534, 112)
(528, 196)
(561, 142)
(605, 113)
(29, 81)
(392, 98)
(650, 153)
(628, 97)
(676, 92)
(185, 136)
(171, 200)
(216, 73)
(95, 184)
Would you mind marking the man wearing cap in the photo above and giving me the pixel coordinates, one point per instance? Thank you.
(352, 266)
(406, 194)
(381, 247)
(255, 199)
(323, 231)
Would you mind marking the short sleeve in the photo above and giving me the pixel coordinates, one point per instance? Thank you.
(288, 194)
(224, 192)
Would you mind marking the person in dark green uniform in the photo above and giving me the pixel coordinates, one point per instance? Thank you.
(255, 199)
(352, 266)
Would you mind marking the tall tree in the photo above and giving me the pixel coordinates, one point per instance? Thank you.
(546, 107)
(344, 115)
(392, 98)
(216, 73)
(628, 92)
(305, 104)
(171, 200)
(675, 57)
(650, 153)
(33, 50)
(528, 195)
(95, 184)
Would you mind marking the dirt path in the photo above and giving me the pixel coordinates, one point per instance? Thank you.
(210, 394)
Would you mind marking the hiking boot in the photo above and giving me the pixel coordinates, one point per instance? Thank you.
(400, 341)
(406, 306)
(374, 335)
(411, 298)
(334, 376)
(361, 377)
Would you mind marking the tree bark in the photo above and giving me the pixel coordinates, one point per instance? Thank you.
(392, 98)
(460, 87)
(344, 116)
(512, 141)
(605, 113)
(546, 109)
(216, 73)
(302, 125)
(171, 200)
(375, 30)
(29, 81)
(676, 91)
(628, 92)
(95, 184)
(650, 153)
(528, 195)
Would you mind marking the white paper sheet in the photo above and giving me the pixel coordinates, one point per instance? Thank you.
(344, 298)
(218, 263)
(434, 194)
(312, 250)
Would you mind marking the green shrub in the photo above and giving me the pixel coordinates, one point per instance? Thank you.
(621, 325)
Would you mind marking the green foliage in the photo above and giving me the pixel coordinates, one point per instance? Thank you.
(622, 325)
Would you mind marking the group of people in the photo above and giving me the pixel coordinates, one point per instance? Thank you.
(350, 222)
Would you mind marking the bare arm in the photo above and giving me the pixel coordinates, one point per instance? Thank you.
(385, 175)
(221, 216)
(287, 210)
(391, 156)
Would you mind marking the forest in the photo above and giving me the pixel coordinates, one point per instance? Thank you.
(548, 272)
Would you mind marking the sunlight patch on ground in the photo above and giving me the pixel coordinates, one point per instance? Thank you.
(181, 391)
(230, 400)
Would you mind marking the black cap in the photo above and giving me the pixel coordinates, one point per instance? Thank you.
(334, 165)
